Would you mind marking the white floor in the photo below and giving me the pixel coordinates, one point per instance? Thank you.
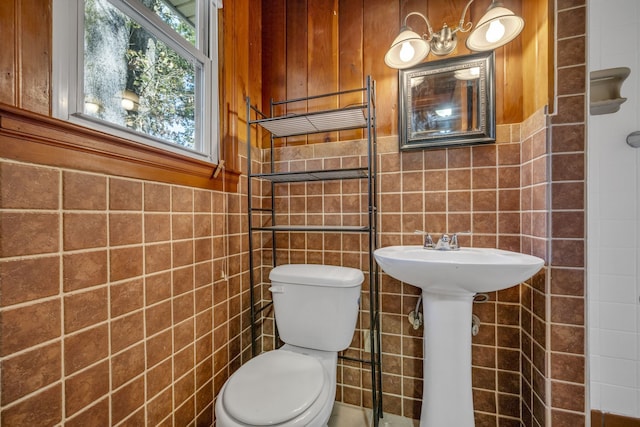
(344, 415)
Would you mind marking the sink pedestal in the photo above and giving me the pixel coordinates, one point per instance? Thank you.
(447, 399)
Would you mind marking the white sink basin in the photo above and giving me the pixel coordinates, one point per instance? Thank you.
(449, 280)
(465, 270)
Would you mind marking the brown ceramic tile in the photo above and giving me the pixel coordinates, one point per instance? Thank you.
(28, 187)
(459, 179)
(28, 233)
(182, 253)
(126, 331)
(159, 347)
(28, 279)
(567, 310)
(567, 167)
(126, 297)
(484, 178)
(570, 109)
(484, 155)
(158, 318)
(85, 348)
(567, 339)
(157, 197)
(568, 138)
(125, 195)
(44, 408)
(571, 80)
(127, 365)
(125, 263)
(183, 307)
(30, 371)
(412, 160)
(568, 195)
(182, 226)
(160, 408)
(182, 361)
(509, 177)
(86, 387)
(571, 51)
(84, 191)
(84, 269)
(508, 200)
(157, 257)
(97, 414)
(126, 400)
(125, 229)
(573, 22)
(568, 282)
(85, 309)
(29, 325)
(567, 4)
(568, 253)
(567, 396)
(84, 231)
(509, 154)
(183, 334)
(459, 157)
(181, 199)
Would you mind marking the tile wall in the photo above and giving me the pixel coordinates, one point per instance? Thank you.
(476, 189)
(120, 301)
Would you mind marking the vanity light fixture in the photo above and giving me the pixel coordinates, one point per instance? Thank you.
(498, 26)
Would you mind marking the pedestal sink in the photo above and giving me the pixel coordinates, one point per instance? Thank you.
(449, 280)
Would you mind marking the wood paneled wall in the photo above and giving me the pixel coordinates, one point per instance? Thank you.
(25, 61)
(320, 46)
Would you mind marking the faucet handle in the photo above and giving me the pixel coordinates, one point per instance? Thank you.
(455, 245)
(428, 241)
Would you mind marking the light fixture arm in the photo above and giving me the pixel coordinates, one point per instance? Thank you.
(461, 25)
(429, 28)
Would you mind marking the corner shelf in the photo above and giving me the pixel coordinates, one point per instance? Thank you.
(356, 116)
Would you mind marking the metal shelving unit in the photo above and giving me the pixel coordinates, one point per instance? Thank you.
(359, 116)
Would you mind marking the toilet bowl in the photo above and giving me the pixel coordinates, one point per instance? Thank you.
(316, 308)
(288, 387)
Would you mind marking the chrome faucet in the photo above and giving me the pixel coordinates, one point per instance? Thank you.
(445, 243)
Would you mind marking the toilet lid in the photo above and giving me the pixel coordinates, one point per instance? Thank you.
(273, 388)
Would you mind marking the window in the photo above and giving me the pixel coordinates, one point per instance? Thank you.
(145, 70)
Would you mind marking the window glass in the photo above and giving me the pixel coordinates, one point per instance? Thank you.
(178, 14)
(144, 70)
(134, 80)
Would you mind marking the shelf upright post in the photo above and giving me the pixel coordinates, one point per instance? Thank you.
(252, 301)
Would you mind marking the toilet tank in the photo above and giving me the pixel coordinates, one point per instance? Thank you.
(316, 306)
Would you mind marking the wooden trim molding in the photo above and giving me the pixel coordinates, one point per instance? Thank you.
(605, 419)
(34, 138)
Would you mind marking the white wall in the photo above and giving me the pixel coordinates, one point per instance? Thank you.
(613, 216)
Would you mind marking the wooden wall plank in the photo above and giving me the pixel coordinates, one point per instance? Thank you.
(8, 58)
(351, 74)
(241, 82)
(274, 56)
(380, 22)
(34, 29)
(322, 58)
(296, 60)
(381, 26)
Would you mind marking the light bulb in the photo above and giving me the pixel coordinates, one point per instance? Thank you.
(127, 104)
(406, 52)
(495, 31)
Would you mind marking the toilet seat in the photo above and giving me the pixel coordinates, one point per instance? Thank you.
(273, 388)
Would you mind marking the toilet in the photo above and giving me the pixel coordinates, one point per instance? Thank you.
(316, 309)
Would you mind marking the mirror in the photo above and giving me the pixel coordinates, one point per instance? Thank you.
(447, 103)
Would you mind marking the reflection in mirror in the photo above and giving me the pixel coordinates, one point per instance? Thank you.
(448, 102)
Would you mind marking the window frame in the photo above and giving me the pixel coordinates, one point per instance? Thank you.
(68, 64)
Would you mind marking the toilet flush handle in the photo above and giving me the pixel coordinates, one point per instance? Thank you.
(276, 289)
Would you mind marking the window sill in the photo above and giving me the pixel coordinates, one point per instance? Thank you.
(30, 137)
